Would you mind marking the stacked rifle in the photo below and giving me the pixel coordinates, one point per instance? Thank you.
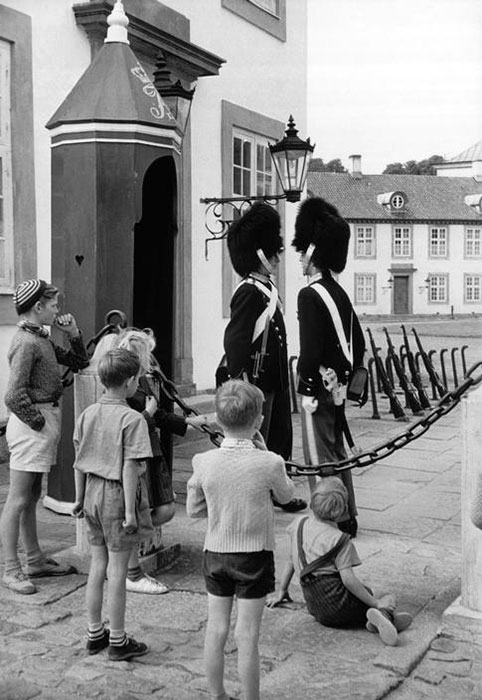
(399, 374)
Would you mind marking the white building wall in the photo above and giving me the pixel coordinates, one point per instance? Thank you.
(267, 76)
(455, 265)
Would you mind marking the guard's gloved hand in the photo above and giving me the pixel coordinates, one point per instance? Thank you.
(309, 403)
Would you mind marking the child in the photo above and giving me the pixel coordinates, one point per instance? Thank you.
(233, 487)
(111, 440)
(346, 601)
(158, 475)
(33, 430)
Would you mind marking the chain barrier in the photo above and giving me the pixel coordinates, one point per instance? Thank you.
(415, 430)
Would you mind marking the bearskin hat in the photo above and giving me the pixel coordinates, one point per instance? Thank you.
(258, 227)
(319, 222)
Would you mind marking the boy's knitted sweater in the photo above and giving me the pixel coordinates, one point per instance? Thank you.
(35, 374)
(233, 487)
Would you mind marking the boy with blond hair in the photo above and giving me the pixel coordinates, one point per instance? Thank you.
(342, 599)
(233, 488)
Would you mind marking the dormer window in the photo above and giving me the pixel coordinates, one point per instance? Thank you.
(474, 201)
(393, 201)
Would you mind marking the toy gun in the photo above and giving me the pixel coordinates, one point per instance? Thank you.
(416, 378)
(395, 405)
(434, 378)
(405, 383)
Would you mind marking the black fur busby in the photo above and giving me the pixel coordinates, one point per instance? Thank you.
(319, 222)
(258, 227)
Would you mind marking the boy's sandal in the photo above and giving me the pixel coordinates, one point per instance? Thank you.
(50, 567)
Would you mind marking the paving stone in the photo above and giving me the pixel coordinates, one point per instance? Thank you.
(18, 689)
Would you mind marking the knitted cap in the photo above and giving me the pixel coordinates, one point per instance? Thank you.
(27, 293)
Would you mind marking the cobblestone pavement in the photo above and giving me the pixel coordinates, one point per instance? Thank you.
(409, 542)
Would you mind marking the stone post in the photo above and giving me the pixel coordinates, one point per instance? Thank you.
(471, 592)
(468, 607)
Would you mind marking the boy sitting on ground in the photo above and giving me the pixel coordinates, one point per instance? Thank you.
(232, 487)
(111, 440)
(342, 600)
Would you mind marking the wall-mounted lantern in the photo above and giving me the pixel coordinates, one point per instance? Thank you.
(291, 157)
(175, 95)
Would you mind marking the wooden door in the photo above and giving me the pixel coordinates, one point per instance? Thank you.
(400, 295)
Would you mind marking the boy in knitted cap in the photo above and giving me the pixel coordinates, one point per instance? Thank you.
(33, 429)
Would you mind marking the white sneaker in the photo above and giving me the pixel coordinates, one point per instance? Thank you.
(146, 584)
(18, 582)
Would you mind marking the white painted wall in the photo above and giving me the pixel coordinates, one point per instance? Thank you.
(456, 266)
(269, 77)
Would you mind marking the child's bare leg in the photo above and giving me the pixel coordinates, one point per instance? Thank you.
(116, 586)
(130, 479)
(219, 615)
(28, 522)
(19, 499)
(246, 632)
(95, 583)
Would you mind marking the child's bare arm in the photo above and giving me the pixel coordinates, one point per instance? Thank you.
(356, 587)
(281, 594)
(78, 507)
(130, 479)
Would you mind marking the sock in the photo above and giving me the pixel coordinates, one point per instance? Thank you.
(117, 638)
(95, 631)
(12, 565)
(134, 573)
(35, 557)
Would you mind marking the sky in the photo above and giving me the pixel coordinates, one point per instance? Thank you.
(394, 80)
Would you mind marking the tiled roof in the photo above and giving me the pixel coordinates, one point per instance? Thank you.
(470, 154)
(429, 197)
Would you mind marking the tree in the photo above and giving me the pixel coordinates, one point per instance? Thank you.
(413, 167)
(333, 166)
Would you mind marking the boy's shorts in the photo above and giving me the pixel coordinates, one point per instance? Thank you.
(104, 514)
(34, 450)
(243, 574)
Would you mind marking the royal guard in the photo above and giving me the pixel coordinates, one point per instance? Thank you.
(331, 340)
(255, 337)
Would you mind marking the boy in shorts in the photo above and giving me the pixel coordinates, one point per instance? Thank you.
(33, 429)
(234, 487)
(111, 441)
(342, 599)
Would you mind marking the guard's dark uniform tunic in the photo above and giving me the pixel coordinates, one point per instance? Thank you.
(248, 304)
(319, 347)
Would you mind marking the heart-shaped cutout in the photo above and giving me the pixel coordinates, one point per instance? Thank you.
(79, 259)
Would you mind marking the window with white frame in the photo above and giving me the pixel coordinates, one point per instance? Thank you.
(438, 288)
(473, 288)
(365, 285)
(252, 165)
(6, 214)
(364, 242)
(473, 247)
(402, 242)
(437, 242)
